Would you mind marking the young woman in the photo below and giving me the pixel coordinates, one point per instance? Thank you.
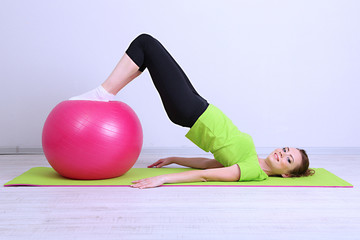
(235, 158)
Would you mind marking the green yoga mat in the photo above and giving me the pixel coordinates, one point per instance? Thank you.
(47, 177)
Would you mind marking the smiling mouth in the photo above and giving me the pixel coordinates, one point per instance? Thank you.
(276, 156)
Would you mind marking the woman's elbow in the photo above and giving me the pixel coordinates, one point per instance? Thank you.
(213, 163)
(225, 174)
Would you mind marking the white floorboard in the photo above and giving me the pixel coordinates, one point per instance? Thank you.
(182, 212)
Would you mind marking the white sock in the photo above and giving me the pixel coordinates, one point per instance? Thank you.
(97, 94)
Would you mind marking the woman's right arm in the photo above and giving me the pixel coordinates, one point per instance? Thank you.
(199, 163)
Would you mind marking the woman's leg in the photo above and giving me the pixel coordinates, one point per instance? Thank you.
(180, 99)
(124, 72)
(182, 103)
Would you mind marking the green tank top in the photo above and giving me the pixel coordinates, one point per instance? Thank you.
(215, 132)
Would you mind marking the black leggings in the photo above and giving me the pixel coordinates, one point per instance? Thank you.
(182, 103)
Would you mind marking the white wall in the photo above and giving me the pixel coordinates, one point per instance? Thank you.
(286, 72)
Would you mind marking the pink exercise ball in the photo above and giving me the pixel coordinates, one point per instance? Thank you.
(92, 139)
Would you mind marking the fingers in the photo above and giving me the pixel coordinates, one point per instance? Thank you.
(141, 184)
(154, 164)
(148, 182)
(157, 164)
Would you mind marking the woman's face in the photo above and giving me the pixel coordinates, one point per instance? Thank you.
(283, 160)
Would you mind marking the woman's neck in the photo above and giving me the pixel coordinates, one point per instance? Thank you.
(264, 166)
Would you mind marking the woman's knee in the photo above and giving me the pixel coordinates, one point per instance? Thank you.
(145, 38)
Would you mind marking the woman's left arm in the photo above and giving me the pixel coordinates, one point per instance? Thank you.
(224, 174)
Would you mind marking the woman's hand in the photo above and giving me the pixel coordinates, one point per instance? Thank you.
(162, 162)
(149, 182)
(225, 174)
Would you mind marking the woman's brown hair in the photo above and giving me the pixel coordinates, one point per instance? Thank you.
(303, 170)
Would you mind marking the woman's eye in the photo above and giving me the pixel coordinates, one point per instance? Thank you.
(284, 149)
(289, 160)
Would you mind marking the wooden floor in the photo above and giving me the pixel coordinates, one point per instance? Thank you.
(181, 212)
